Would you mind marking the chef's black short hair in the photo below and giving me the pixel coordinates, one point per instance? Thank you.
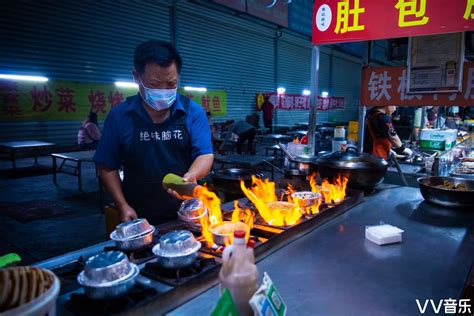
(159, 52)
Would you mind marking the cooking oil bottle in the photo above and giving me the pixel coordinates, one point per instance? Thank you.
(239, 273)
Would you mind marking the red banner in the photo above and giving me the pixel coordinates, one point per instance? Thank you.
(387, 86)
(337, 21)
(300, 102)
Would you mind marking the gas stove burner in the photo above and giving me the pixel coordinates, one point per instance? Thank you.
(176, 277)
(80, 304)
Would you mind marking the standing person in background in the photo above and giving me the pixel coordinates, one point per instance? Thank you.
(151, 134)
(381, 137)
(89, 134)
(417, 118)
(267, 108)
(241, 131)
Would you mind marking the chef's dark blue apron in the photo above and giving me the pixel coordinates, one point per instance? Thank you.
(156, 150)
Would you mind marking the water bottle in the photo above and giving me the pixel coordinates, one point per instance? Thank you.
(339, 138)
(239, 273)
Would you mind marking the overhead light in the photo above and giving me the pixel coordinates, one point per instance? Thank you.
(126, 84)
(281, 90)
(199, 89)
(324, 94)
(306, 92)
(23, 78)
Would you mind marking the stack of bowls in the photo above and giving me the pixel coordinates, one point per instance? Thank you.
(133, 235)
(191, 211)
(108, 275)
(177, 249)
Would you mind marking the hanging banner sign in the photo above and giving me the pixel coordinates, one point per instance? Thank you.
(336, 21)
(381, 86)
(299, 102)
(67, 100)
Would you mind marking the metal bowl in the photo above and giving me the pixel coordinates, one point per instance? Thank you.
(111, 289)
(132, 228)
(175, 262)
(177, 249)
(306, 198)
(192, 211)
(432, 192)
(106, 267)
(222, 233)
(133, 243)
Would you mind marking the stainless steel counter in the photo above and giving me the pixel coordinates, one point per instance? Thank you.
(334, 270)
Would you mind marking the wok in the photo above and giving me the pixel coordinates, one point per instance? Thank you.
(228, 180)
(364, 171)
(447, 197)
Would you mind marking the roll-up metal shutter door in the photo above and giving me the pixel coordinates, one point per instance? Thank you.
(222, 51)
(345, 81)
(89, 41)
(294, 73)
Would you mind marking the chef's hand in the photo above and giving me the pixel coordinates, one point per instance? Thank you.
(188, 177)
(407, 152)
(127, 213)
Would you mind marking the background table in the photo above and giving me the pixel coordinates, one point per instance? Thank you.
(74, 169)
(12, 147)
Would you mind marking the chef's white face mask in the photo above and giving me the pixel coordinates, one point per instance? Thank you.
(158, 99)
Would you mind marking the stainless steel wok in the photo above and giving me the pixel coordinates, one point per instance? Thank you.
(431, 190)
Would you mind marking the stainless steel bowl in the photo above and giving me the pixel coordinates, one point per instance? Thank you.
(111, 289)
(431, 190)
(192, 211)
(133, 243)
(132, 228)
(177, 249)
(306, 198)
(107, 275)
(223, 238)
(107, 267)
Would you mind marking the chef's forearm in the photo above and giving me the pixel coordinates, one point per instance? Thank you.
(395, 141)
(111, 180)
(201, 166)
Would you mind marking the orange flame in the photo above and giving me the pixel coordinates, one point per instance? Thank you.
(213, 205)
(334, 193)
(262, 194)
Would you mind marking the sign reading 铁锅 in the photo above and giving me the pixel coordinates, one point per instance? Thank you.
(336, 21)
(387, 86)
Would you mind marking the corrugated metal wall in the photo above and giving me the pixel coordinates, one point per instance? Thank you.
(225, 52)
(94, 42)
(73, 40)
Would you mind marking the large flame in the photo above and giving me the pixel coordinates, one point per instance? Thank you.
(334, 193)
(213, 205)
(262, 195)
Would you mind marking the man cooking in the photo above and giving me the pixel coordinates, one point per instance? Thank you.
(152, 134)
(380, 136)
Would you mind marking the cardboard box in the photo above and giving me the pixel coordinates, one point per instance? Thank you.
(438, 139)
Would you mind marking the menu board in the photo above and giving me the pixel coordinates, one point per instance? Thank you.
(435, 63)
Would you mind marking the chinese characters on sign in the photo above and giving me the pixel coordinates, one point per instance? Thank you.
(337, 21)
(300, 102)
(146, 136)
(387, 86)
(65, 100)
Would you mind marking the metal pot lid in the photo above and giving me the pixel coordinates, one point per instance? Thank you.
(84, 281)
(306, 158)
(351, 159)
(106, 268)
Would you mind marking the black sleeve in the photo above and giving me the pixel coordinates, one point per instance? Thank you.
(385, 126)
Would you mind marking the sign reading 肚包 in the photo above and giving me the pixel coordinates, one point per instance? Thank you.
(336, 21)
(67, 100)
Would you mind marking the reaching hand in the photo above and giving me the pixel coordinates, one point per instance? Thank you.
(407, 151)
(127, 214)
(188, 177)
